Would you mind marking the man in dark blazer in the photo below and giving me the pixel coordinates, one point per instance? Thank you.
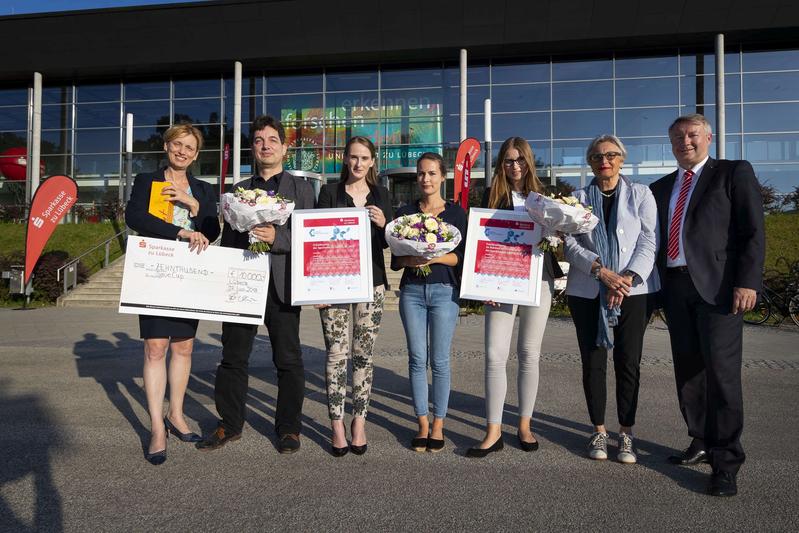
(710, 258)
(282, 320)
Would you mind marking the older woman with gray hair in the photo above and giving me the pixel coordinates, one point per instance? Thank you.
(611, 286)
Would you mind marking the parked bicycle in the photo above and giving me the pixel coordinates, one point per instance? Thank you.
(771, 302)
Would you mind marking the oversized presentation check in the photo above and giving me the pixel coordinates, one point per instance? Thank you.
(164, 278)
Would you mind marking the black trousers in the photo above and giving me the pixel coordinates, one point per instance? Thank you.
(628, 343)
(230, 391)
(706, 344)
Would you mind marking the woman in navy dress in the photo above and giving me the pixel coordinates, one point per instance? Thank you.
(194, 221)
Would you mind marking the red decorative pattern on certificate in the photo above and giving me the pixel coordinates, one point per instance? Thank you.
(511, 224)
(331, 258)
(338, 221)
(509, 260)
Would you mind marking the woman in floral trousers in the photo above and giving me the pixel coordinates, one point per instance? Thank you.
(357, 188)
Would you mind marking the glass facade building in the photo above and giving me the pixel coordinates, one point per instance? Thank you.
(557, 105)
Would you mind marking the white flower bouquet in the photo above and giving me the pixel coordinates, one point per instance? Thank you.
(558, 214)
(245, 209)
(421, 235)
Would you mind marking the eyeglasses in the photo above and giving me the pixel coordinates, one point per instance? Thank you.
(510, 162)
(610, 156)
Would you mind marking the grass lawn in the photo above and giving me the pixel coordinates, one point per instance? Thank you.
(782, 240)
(71, 238)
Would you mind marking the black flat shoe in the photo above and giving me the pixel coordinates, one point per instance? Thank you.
(339, 452)
(217, 439)
(435, 445)
(419, 444)
(722, 484)
(527, 446)
(156, 458)
(358, 450)
(185, 437)
(691, 456)
(482, 452)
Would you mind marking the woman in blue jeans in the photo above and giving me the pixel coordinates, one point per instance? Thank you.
(429, 305)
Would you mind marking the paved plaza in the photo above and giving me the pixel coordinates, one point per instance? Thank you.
(73, 425)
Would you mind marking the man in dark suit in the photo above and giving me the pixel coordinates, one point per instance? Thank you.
(710, 259)
(282, 319)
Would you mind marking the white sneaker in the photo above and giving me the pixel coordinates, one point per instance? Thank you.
(626, 450)
(598, 446)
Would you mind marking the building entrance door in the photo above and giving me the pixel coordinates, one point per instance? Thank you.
(401, 183)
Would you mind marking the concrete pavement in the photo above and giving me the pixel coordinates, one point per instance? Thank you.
(73, 423)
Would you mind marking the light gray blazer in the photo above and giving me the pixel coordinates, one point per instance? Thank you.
(636, 232)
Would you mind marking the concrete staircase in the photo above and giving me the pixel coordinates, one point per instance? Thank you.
(102, 289)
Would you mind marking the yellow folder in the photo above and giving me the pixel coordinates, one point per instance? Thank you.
(159, 205)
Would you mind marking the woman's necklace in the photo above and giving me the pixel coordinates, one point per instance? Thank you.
(608, 195)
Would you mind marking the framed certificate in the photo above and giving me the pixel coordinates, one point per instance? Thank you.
(163, 278)
(331, 256)
(502, 262)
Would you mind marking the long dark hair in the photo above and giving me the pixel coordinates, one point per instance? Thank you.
(371, 175)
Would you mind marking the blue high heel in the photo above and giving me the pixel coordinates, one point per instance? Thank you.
(185, 437)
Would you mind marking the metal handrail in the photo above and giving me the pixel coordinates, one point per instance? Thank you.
(74, 261)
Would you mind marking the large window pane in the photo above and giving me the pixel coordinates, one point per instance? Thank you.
(646, 66)
(520, 97)
(412, 131)
(12, 139)
(97, 115)
(695, 64)
(13, 118)
(149, 90)
(351, 81)
(772, 60)
(773, 148)
(87, 166)
(475, 127)
(97, 141)
(57, 164)
(569, 154)
(771, 86)
(250, 108)
(309, 83)
(733, 116)
(644, 122)
(475, 98)
(304, 130)
(702, 89)
(56, 141)
(771, 117)
(524, 125)
(148, 162)
(196, 88)
(647, 151)
(294, 105)
(309, 159)
(99, 93)
(57, 95)
(202, 111)
(340, 130)
(14, 96)
(148, 138)
(401, 79)
(250, 86)
(207, 164)
(520, 73)
(412, 103)
(56, 116)
(585, 124)
(647, 91)
(595, 94)
(148, 113)
(361, 105)
(582, 70)
(475, 75)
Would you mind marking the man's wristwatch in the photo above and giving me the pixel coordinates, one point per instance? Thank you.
(636, 277)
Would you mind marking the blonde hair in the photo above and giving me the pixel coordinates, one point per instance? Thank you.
(500, 188)
(179, 130)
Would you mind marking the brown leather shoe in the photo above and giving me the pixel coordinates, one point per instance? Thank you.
(288, 443)
(217, 439)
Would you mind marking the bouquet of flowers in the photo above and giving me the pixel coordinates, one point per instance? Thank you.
(421, 235)
(245, 209)
(558, 214)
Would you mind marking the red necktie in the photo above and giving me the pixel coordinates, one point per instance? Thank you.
(673, 249)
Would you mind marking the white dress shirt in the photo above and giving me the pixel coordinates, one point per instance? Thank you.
(675, 193)
(518, 201)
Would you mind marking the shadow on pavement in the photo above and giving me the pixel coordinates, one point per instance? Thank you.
(26, 454)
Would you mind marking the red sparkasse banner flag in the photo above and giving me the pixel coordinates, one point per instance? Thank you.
(469, 146)
(225, 161)
(53, 199)
(467, 177)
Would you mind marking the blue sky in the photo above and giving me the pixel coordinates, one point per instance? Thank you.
(18, 7)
